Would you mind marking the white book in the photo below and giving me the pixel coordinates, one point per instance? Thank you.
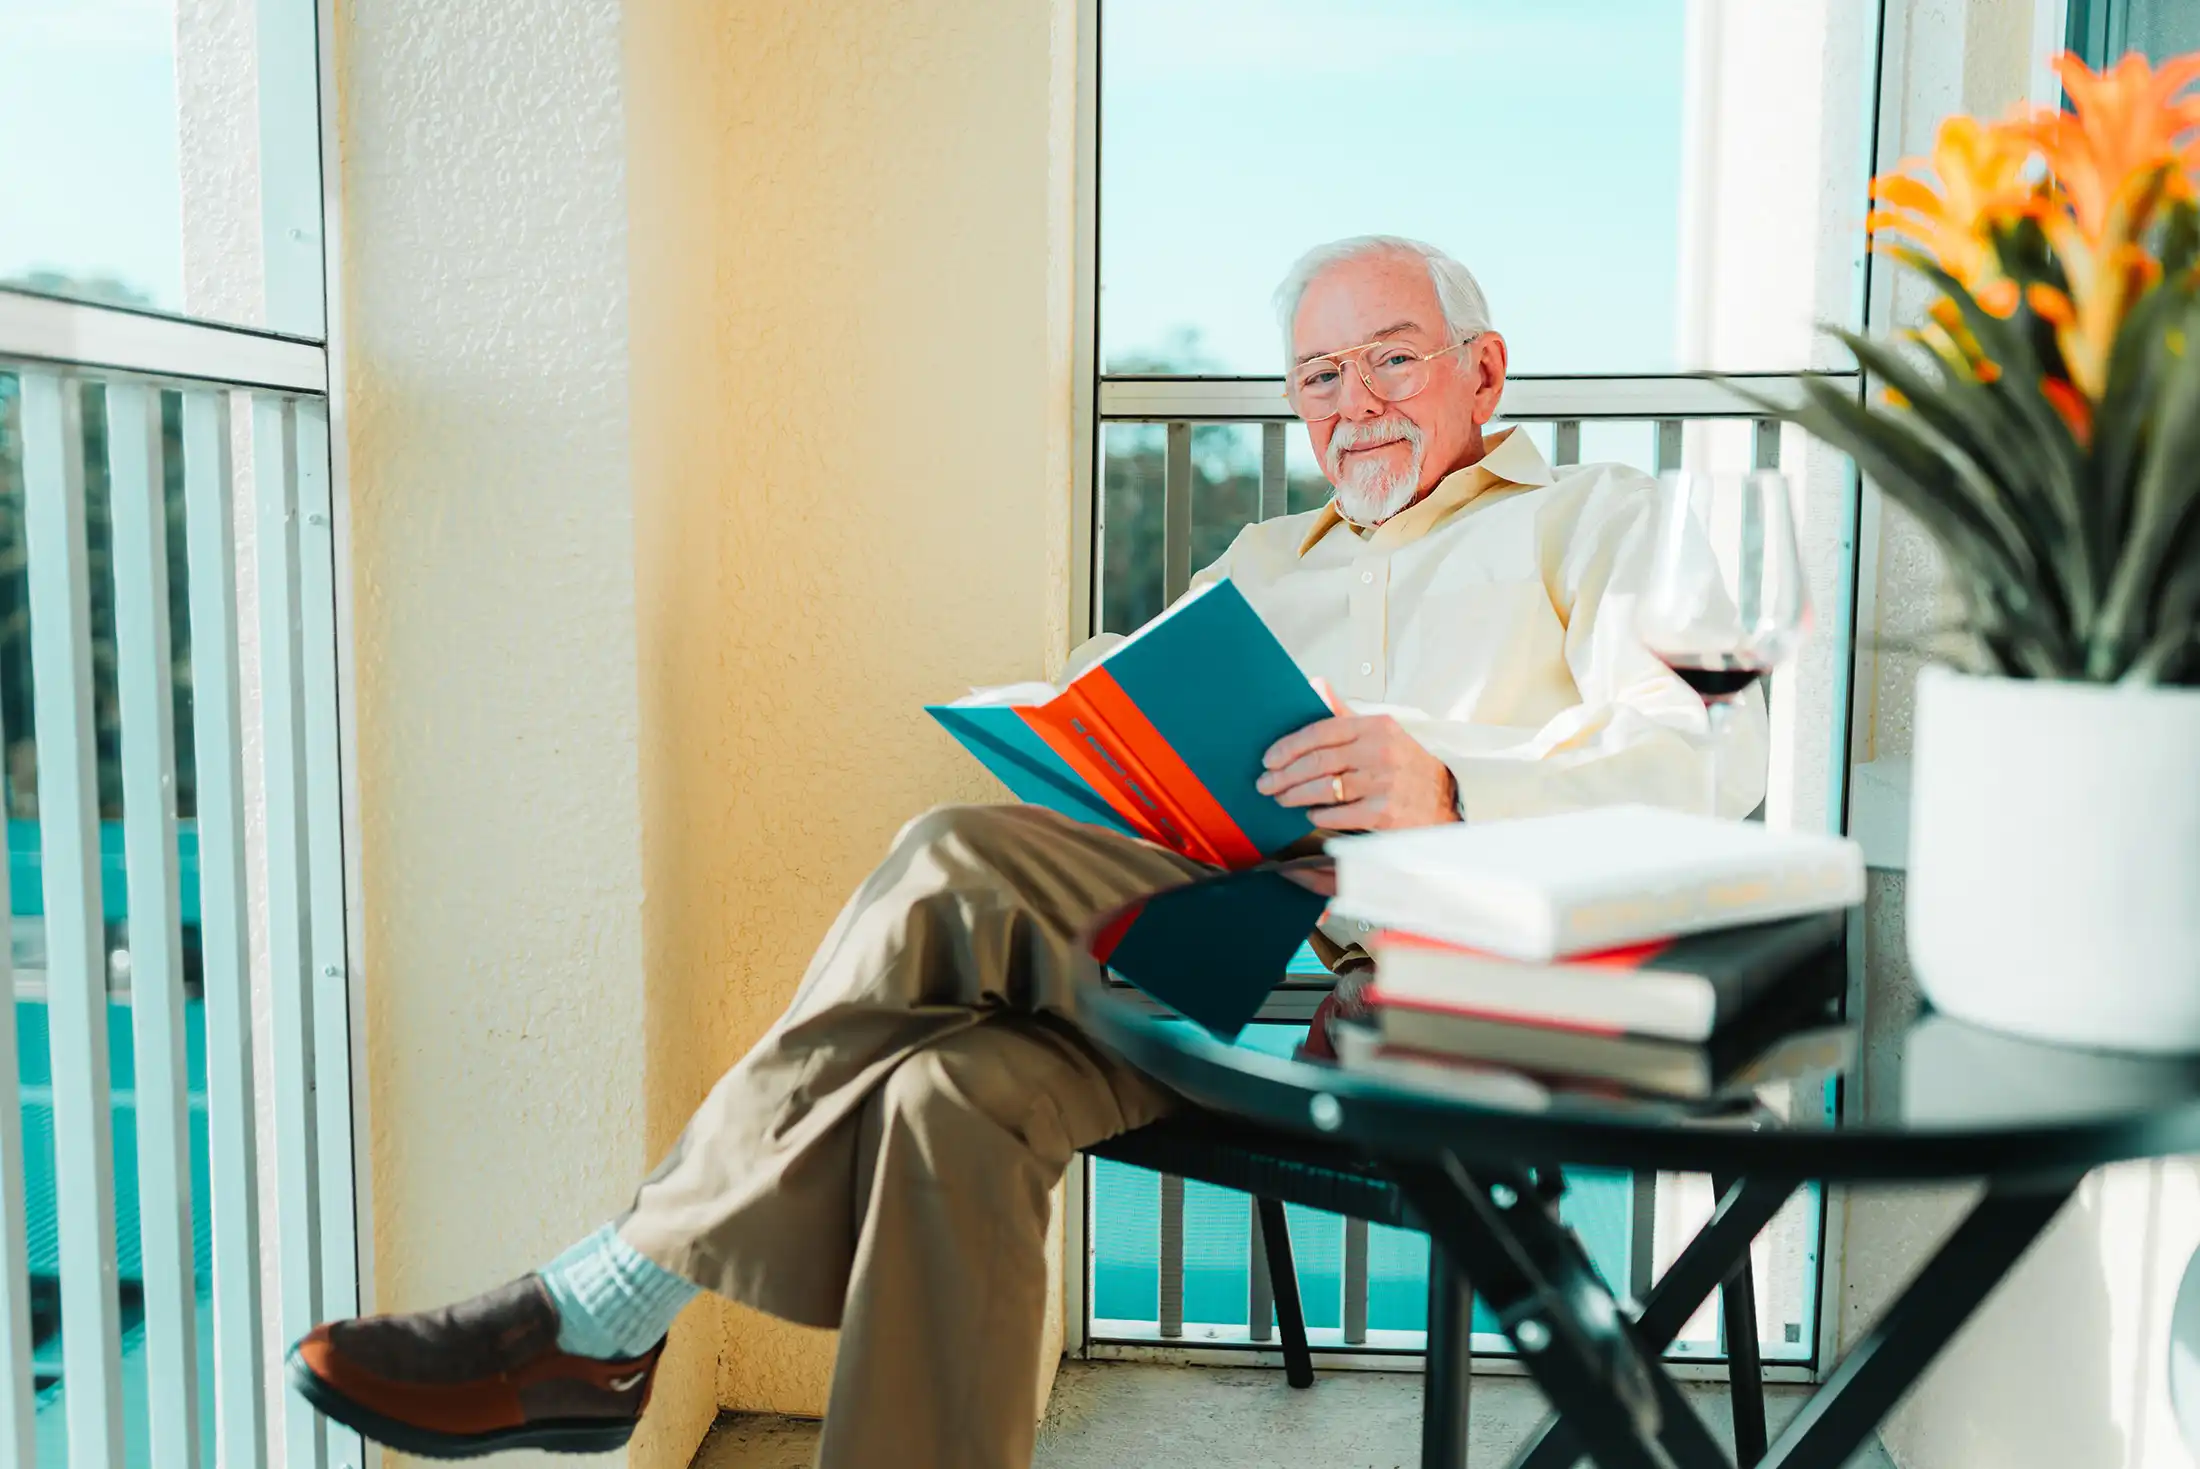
(1544, 887)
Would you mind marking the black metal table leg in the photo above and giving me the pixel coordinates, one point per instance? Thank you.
(1575, 1341)
(1283, 1281)
(1447, 1386)
(1876, 1373)
(1744, 1367)
(1742, 1213)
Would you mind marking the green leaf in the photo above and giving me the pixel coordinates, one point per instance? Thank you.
(2162, 504)
(2003, 485)
(1995, 587)
(2040, 430)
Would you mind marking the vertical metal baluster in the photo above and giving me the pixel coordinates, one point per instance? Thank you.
(144, 680)
(324, 811)
(1172, 1255)
(18, 1399)
(240, 1407)
(1566, 442)
(1355, 1282)
(76, 958)
(1764, 443)
(1176, 514)
(1275, 480)
(1669, 444)
(1260, 1305)
(1642, 1237)
(275, 469)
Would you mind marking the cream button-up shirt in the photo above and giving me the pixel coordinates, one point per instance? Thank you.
(1494, 620)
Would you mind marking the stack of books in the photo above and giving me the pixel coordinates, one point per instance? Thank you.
(1639, 948)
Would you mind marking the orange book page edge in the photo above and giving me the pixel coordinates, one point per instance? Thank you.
(1071, 731)
(1634, 956)
(1140, 745)
(1525, 1019)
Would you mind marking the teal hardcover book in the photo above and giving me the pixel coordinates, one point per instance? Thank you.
(1163, 738)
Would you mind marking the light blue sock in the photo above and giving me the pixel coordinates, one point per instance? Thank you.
(613, 1303)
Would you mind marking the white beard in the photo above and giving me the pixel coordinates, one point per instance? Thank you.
(1367, 494)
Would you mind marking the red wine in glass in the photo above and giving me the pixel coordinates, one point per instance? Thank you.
(1723, 602)
(1714, 677)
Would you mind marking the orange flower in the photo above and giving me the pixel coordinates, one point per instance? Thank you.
(2075, 408)
(1982, 188)
(1950, 340)
(2124, 151)
(2095, 180)
(2127, 132)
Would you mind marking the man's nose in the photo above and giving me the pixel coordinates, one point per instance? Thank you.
(1357, 400)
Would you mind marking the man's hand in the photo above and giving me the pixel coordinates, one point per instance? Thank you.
(1388, 780)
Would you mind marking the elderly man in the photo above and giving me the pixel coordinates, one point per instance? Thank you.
(882, 1160)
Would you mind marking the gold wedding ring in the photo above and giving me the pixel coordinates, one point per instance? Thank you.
(1336, 790)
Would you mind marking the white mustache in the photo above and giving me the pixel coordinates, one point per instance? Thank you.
(1351, 435)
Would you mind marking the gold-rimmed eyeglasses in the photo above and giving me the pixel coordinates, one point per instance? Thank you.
(1391, 371)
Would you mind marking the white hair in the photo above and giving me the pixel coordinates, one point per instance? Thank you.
(1466, 312)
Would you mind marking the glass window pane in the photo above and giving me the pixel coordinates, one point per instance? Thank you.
(193, 185)
(2163, 28)
(1587, 161)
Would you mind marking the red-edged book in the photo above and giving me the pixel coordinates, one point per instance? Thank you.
(1163, 737)
(1682, 989)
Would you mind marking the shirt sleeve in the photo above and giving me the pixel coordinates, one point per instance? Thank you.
(1638, 733)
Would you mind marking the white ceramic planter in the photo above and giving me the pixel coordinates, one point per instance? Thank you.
(2054, 864)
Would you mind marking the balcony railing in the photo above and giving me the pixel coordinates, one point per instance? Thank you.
(1181, 464)
(137, 1296)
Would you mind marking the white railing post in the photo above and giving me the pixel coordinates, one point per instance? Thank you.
(1355, 1282)
(1260, 1305)
(1566, 442)
(1176, 514)
(326, 962)
(275, 469)
(240, 1407)
(76, 948)
(1171, 1309)
(18, 1398)
(1275, 479)
(144, 681)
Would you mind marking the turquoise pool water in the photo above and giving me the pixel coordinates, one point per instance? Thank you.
(1126, 1243)
(43, 1234)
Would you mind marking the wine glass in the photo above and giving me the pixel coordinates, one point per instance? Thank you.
(1725, 603)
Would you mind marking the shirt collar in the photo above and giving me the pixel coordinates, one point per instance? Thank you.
(1511, 459)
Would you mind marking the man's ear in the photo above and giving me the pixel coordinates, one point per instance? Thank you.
(1488, 352)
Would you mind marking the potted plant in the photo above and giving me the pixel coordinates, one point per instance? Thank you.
(2043, 425)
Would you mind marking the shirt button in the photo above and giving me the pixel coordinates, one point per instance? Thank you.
(1366, 576)
(1366, 668)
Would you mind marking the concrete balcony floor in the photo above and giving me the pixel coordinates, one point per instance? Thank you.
(1109, 1415)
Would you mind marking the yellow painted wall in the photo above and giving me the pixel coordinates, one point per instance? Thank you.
(483, 297)
(850, 256)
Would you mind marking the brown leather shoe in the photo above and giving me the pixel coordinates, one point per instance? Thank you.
(472, 1379)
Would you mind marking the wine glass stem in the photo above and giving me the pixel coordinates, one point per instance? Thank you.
(1720, 713)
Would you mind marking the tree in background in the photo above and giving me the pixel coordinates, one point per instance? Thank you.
(1225, 488)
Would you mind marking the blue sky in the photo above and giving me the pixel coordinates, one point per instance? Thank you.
(1538, 142)
(88, 179)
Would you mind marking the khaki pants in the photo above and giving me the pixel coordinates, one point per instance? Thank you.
(881, 1161)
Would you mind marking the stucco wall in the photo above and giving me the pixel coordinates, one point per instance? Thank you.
(484, 161)
(850, 425)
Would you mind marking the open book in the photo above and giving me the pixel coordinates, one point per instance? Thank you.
(1162, 738)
